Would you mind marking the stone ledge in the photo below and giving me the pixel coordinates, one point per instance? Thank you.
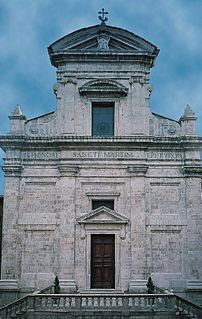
(137, 286)
(9, 284)
(194, 285)
(68, 286)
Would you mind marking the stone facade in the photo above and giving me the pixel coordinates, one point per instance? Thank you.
(54, 168)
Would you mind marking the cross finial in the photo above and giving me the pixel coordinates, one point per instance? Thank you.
(102, 16)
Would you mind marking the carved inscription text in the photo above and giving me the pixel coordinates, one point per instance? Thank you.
(151, 155)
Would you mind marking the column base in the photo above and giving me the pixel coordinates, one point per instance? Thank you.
(8, 284)
(194, 285)
(8, 291)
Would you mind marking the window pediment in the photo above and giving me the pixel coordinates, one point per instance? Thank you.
(102, 215)
(104, 86)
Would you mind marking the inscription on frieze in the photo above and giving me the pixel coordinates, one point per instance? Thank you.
(151, 155)
(106, 154)
(128, 155)
(40, 155)
(175, 156)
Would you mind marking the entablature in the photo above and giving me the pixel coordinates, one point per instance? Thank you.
(140, 142)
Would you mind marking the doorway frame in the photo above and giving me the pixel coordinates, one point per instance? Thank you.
(96, 223)
(117, 259)
(113, 256)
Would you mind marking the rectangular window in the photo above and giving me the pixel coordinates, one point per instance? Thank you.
(102, 119)
(102, 202)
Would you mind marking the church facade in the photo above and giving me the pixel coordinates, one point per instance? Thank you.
(102, 192)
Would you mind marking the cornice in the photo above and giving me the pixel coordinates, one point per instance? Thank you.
(63, 57)
(24, 142)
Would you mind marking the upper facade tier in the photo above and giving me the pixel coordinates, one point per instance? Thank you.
(95, 41)
(103, 89)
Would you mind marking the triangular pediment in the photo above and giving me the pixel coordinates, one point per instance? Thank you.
(114, 44)
(102, 215)
(104, 39)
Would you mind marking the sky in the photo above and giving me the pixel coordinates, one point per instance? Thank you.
(28, 27)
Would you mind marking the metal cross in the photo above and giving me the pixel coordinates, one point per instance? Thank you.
(102, 16)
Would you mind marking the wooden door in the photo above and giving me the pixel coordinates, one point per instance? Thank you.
(103, 261)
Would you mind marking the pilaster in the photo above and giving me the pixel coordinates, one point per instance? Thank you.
(66, 187)
(138, 251)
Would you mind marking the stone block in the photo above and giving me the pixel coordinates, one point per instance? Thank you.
(138, 286)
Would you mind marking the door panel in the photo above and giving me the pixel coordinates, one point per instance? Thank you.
(103, 261)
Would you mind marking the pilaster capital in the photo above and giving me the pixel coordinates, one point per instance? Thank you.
(68, 170)
(65, 79)
(137, 79)
(137, 170)
(12, 170)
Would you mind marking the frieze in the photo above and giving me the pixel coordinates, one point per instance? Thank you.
(150, 155)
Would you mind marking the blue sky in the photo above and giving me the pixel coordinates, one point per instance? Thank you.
(28, 27)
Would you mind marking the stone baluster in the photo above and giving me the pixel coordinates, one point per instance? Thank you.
(102, 302)
(96, 302)
(83, 302)
(67, 302)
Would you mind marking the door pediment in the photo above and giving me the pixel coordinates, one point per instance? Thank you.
(102, 215)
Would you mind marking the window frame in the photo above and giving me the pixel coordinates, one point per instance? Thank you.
(102, 104)
(102, 200)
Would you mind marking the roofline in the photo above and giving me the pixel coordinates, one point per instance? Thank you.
(61, 54)
(101, 27)
(37, 117)
(164, 117)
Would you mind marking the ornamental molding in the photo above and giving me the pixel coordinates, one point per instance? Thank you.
(103, 219)
(105, 195)
(103, 41)
(102, 215)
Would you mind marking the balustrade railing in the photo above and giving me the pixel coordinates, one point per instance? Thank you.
(82, 302)
(187, 308)
(47, 290)
(109, 301)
